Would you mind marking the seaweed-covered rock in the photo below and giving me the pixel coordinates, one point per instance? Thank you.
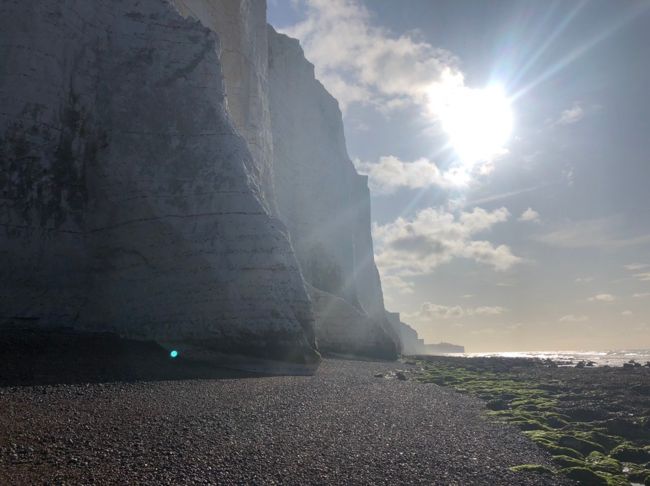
(630, 429)
(630, 453)
(582, 445)
(601, 462)
(533, 468)
(566, 461)
(584, 476)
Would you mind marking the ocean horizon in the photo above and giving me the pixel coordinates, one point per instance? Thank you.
(568, 358)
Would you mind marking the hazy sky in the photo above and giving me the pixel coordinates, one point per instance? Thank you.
(540, 242)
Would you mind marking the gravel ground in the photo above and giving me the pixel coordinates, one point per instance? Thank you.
(343, 425)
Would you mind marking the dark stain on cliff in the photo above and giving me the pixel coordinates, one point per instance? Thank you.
(43, 169)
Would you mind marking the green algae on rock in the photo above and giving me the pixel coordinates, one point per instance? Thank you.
(591, 421)
(533, 468)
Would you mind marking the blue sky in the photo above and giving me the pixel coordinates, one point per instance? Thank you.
(543, 243)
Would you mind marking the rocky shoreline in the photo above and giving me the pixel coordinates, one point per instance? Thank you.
(432, 420)
(595, 421)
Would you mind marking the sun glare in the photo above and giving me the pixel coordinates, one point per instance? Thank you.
(478, 123)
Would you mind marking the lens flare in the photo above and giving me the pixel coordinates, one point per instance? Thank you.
(173, 353)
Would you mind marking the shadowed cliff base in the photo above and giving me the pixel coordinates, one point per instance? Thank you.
(67, 356)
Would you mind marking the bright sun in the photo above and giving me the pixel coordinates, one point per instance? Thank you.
(478, 122)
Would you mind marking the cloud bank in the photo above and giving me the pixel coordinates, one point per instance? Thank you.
(410, 247)
(361, 62)
(430, 311)
(602, 298)
(573, 318)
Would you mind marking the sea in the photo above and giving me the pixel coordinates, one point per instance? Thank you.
(570, 358)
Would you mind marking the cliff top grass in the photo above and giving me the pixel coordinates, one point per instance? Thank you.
(594, 422)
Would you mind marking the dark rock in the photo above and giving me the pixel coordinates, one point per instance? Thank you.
(584, 476)
(587, 414)
(629, 453)
(497, 405)
(626, 428)
(642, 390)
(580, 445)
(401, 376)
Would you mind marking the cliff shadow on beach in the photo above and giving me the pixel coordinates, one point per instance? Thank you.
(65, 356)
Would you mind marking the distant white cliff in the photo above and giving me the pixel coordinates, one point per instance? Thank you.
(411, 342)
(172, 170)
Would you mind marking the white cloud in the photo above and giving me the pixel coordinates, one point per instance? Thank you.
(644, 276)
(573, 318)
(397, 284)
(361, 62)
(530, 215)
(390, 174)
(487, 311)
(602, 298)
(433, 237)
(636, 266)
(584, 279)
(429, 311)
(571, 115)
(627, 313)
(569, 176)
(436, 311)
(641, 295)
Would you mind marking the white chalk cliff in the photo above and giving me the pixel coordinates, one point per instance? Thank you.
(326, 206)
(171, 170)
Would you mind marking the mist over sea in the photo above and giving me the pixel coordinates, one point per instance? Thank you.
(570, 358)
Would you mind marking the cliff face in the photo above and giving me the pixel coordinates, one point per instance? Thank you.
(130, 201)
(170, 170)
(241, 28)
(325, 204)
